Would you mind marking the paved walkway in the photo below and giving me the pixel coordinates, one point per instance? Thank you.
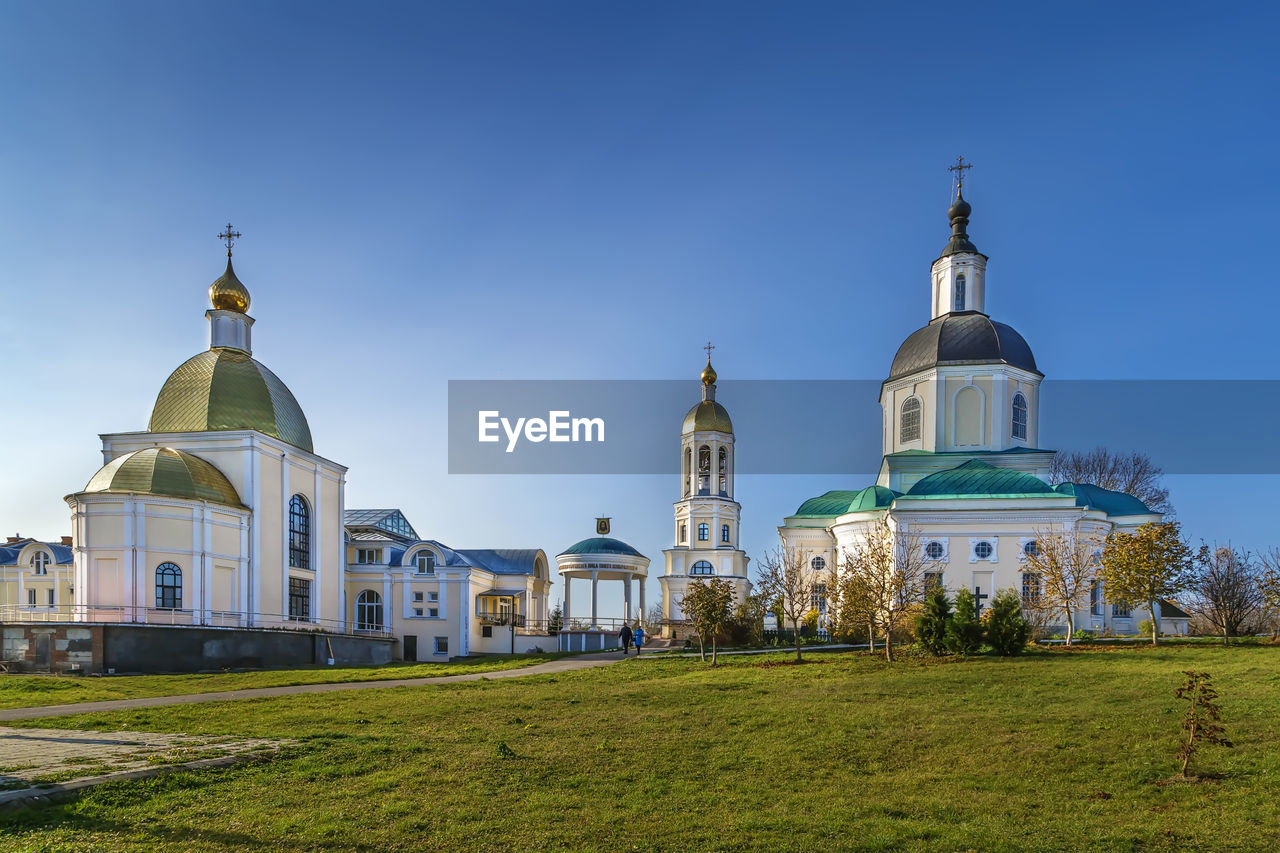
(47, 762)
(561, 665)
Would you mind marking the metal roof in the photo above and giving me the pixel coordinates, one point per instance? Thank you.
(962, 337)
(601, 545)
(502, 561)
(976, 477)
(391, 521)
(9, 554)
(165, 471)
(1110, 502)
(836, 503)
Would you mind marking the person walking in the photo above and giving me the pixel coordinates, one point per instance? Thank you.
(637, 637)
(625, 637)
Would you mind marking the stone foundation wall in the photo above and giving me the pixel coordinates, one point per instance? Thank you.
(79, 647)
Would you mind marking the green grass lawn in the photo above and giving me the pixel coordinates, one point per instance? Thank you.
(1055, 751)
(25, 691)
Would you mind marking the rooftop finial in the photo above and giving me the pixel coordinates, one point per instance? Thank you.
(229, 237)
(708, 376)
(959, 168)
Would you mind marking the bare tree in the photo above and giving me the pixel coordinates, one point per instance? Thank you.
(1067, 565)
(1224, 590)
(889, 565)
(1269, 586)
(784, 576)
(1132, 473)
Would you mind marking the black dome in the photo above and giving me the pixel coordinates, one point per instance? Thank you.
(962, 337)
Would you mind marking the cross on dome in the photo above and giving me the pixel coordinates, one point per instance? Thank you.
(229, 237)
(959, 168)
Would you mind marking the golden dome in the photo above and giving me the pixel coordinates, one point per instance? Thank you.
(167, 472)
(226, 388)
(227, 293)
(707, 415)
(708, 374)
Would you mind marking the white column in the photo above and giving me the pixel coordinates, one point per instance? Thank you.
(340, 571)
(644, 614)
(283, 509)
(318, 543)
(386, 599)
(594, 599)
(565, 578)
(626, 598)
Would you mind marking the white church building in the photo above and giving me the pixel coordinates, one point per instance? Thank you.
(962, 471)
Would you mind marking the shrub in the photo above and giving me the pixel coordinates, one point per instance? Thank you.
(1007, 630)
(964, 631)
(931, 624)
(1144, 628)
(1203, 721)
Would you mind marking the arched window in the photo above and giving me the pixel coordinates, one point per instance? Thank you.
(704, 470)
(960, 292)
(299, 533)
(724, 533)
(688, 465)
(704, 532)
(368, 611)
(40, 563)
(702, 567)
(909, 421)
(817, 564)
(1020, 416)
(724, 470)
(168, 587)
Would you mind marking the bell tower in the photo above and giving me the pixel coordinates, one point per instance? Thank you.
(706, 515)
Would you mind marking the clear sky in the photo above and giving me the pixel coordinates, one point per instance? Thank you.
(555, 190)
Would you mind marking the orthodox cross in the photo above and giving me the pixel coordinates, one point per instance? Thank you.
(978, 597)
(959, 168)
(229, 237)
(708, 348)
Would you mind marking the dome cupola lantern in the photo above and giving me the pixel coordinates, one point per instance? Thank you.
(229, 321)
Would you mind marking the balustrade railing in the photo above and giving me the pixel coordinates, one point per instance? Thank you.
(128, 614)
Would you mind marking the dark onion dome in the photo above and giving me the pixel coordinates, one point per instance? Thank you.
(166, 472)
(962, 337)
(601, 545)
(225, 388)
(959, 243)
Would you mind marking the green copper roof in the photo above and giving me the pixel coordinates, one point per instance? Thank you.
(836, 503)
(165, 471)
(601, 545)
(976, 477)
(1096, 497)
(227, 389)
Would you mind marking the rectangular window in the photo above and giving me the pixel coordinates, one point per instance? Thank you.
(724, 533)
(486, 631)
(442, 645)
(1095, 599)
(1030, 587)
(932, 581)
(818, 599)
(368, 555)
(417, 611)
(1120, 611)
(425, 562)
(433, 596)
(433, 612)
(299, 600)
(417, 596)
(704, 532)
(31, 596)
(50, 592)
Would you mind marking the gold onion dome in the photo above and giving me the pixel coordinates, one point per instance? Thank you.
(225, 389)
(708, 374)
(165, 472)
(228, 293)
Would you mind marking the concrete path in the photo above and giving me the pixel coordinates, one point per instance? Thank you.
(561, 665)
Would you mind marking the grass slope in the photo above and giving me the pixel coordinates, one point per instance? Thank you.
(1055, 751)
(27, 691)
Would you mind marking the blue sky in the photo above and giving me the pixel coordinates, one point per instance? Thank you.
(591, 190)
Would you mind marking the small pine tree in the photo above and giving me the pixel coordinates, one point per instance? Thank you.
(1203, 722)
(931, 624)
(964, 631)
(1007, 630)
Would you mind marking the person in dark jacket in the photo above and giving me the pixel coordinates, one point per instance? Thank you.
(625, 637)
